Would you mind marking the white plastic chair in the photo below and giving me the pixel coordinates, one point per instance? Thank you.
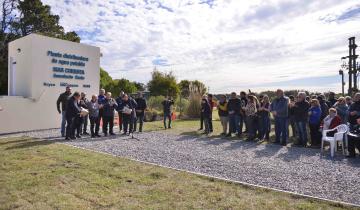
(339, 136)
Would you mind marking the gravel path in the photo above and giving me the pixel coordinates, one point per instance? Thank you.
(292, 169)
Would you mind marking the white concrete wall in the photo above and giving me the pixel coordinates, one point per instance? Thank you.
(34, 106)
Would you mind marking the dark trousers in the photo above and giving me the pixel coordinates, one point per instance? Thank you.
(210, 124)
(281, 129)
(242, 120)
(94, 122)
(70, 127)
(234, 124)
(201, 121)
(293, 126)
(140, 120)
(354, 142)
(168, 116)
(264, 127)
(120, 120)
(108, 121)
(315, 134)
(207, 124)
(78, 122)
(101, 111)
(252, 126)
(84, 123)
(127, 123)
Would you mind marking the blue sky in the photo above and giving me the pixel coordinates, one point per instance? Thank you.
(228, 44)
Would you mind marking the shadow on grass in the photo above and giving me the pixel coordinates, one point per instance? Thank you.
(30, 143)
(15, 141)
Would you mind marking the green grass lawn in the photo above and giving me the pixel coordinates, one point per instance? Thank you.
(38, 174)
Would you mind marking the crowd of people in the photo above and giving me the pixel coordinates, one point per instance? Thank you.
(77, 110)
(246, 113)
(251, 114)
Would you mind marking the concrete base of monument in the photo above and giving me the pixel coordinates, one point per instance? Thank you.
(27, 114)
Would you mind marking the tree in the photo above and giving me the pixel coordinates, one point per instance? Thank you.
(163, 84)
(140, 86)
(21, 18)
(123, 85)
(105, 79)
(184, 86)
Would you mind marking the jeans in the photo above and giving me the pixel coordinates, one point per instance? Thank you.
(207, 124)
(264, 127)
(94, 122)
(167, 115)
(108, 121)
(63, 123)
(301, 131)
(201, 121)
(234, 120)
(281, 128)
(210, 123)
(127, 123)
(140, 120)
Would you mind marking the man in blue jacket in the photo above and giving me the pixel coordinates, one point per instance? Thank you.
(279, 109)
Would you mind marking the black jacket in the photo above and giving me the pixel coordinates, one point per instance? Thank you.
(72, 111)
(300, 111)
(234, 105)
(354, 107)
(167, 105)
(205, 108)
(63, 99)
(109, 106)
(141, 106)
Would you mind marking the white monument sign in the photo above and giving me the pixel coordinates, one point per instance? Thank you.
(40, 68)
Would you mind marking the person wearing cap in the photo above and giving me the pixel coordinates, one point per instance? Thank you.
(63, 100)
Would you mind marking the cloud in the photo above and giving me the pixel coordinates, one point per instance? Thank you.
(227, 44)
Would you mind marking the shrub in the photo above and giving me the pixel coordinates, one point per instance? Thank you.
(154, 102)
(183, 105)
(194, 107)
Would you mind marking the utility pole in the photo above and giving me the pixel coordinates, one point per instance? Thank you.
(352, 66)
(341, 73)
